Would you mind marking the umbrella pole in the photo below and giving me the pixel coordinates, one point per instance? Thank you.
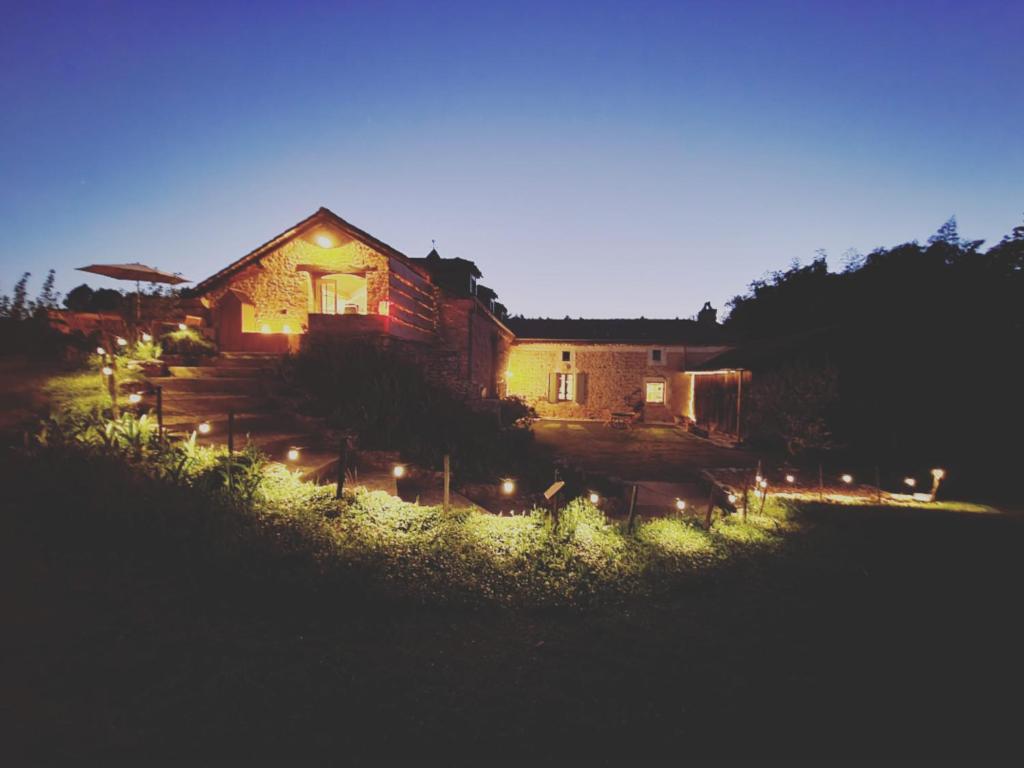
(138, 301)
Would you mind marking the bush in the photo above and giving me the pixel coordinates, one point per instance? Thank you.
(187, 343)
(388, 403)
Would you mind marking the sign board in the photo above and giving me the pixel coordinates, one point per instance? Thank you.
(555, 488)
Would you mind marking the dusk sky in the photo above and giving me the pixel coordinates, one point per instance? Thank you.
(594, 159)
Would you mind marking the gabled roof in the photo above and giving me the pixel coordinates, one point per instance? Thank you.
(437, 263)
(640, 330)
(322, 216)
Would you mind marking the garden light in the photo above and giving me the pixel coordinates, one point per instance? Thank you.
(100, 351)
(594, 498)
(732, 498)
(847, 479)
(680, 505)
(293, 454)
(108, 371)
(182, 327)
(134, 398)
(122, 342)
(508, 487)
(147, 338)
(909, 482)
(204, 428)
(758, 479)
(938, 474)
(790, 479)
(399, 470)
(763, 483)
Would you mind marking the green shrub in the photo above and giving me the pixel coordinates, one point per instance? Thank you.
(187, 343)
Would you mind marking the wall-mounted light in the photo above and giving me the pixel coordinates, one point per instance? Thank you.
(384, 307)
(324, 241)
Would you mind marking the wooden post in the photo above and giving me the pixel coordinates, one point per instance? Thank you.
(711, 507)
(112, 388)
(342, 466)
(746, 498)
(632, 509)
(160, 411)
(231, 433)
(764, 495)
(821, 483)
(878, 484)
(447, 483)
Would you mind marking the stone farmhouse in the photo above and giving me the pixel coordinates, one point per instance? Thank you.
(326, 276)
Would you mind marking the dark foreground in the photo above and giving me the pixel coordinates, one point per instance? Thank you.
(127, 644)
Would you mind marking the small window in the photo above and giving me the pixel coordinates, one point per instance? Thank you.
(566, 356)
(656, 357)
(565, 387)
(655, 392)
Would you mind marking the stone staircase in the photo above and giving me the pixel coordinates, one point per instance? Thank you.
(249, 385)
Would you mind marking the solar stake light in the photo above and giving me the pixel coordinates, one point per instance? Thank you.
(122, 342)
(399, 470)
(182, 327)
(204, 428)
(134, 398)
(100, 351)
(147, 337)
(909, 482)
(763, 483)
(508, 487)
(847, 479)
(594, 498)
(790, 479)
(938, 474)
(732, 498)
(680, 505)
(108, 371)
(293, 454)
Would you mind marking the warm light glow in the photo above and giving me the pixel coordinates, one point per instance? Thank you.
(108, 371)
(384, 308)
(122, 342)
(293, 454)
(758, 479)
(790, 479)
(763, 483)
(147, 338)
(204, 428)
(909, 482)
(134, 397)
(847, 478)
(100, 351)
(182, 327)
(264, 328)
(399, 470)
(286, 328)
(594, 498)
(680, 505)
(508, 487)
(938, 474)
(324, 241)
(732, 498)
(508, 374)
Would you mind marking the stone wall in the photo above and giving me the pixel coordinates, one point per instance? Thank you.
(616, 375)
(281, 294)
(480, 342)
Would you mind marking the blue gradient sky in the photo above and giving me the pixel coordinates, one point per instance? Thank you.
(595, 159)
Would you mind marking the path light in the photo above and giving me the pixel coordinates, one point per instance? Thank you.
(508, 487)
(399, 470)
(204, 428)
(594, 497)
(100, 351)
(134, 398)
(909, 482)
(763, 483)
(732, 498)
(847, 479)
(938, 474)
(680, 505)
(147, 338)
(758, 479)
(790, 479)
(293, 454)
(122, 342)
(264, 328)
(108, 371)
(182, 327)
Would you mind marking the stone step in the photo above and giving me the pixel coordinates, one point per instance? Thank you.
(222, 386)
(214, 406)
(247, 360)
(219, 372)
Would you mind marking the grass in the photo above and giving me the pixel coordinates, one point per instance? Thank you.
(85, 391)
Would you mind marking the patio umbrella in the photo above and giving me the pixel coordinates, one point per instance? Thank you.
(140, 273)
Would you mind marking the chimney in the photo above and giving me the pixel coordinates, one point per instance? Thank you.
(708, 315)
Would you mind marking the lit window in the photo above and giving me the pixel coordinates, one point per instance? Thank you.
(565, 386)
(655, 392)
